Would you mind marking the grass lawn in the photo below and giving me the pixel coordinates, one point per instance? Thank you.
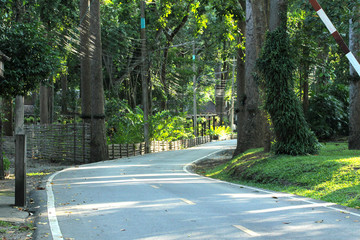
(333, 175)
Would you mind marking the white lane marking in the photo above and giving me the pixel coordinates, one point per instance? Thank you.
(153, 186)
(187, 201)
(247, 231)
(326, 21)
(53, 221)
(290, 196)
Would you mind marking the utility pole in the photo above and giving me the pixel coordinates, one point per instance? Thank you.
(232, 97)
(194, 87)
(144, 83)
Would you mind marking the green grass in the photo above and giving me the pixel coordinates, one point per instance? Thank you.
(333, 175)
(37, 174)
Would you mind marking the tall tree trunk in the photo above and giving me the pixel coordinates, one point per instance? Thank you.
(64, 94)
(219, 93)
(240, 82)
(2, 170)
(194, 93)
(354, 109)
(98, 131)
(232, 110)
(163, 79)
(85, 61)
(252, 129)
(44, 105)
(51, 101)
(278, 14)
(144, 79)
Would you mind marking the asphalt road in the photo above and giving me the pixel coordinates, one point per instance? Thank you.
(154, 197)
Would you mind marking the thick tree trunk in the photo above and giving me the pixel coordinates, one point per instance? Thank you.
(98, 145)
(252, 129)
(85, 60)
(240, 83)
(354, 109)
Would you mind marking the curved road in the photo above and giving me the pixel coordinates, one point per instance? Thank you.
(154, 197)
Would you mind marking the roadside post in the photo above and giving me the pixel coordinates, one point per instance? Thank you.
(20, 170)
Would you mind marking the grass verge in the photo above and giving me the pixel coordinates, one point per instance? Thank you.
(333, 175)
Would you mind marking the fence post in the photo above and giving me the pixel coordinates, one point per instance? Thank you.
(20, 170)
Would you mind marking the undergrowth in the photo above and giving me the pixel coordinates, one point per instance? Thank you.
(333, 175)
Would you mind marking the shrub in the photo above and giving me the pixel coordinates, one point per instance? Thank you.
(125, 125)
(219, 131)
(328, 111)
(6, 163)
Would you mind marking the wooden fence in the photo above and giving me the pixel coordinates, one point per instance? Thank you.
(127, 150)
(58, 142)
(71, 143)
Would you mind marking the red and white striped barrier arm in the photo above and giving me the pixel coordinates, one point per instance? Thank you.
(336, 35)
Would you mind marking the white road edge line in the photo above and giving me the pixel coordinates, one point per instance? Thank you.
(247, 231)
(53, 221)
(290, 196)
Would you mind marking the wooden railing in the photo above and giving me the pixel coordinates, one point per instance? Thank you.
(127, 150)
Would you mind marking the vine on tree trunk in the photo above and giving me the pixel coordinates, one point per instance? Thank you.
(292, 133)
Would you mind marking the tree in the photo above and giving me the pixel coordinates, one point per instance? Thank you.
(354, 118)
(98, 147)
(144, 79)
(85, 61)
(251, 130)
(177, 10)
(240, 80)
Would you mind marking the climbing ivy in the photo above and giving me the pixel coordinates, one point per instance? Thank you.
(292, 133)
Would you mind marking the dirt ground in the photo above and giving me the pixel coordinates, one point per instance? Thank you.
(36, 170)
(214, 160)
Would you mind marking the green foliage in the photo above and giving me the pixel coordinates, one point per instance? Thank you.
(166, 126)
(331, 176)
(328, 111)
(124, 124)
(32, 59)
(219, 131)
(293, 135)
(127, 126)
(6, 163)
